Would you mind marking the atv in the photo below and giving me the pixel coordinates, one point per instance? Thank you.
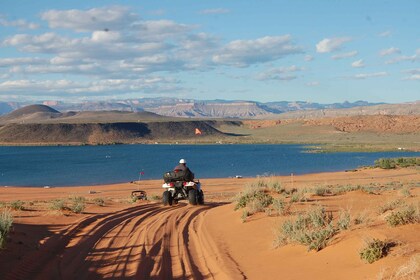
(180, 189)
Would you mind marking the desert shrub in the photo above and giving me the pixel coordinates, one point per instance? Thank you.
(78, 204)
(408, 271)
(281, 207)
(17, 205)
(407, 215)
(57, 204)
(314, 230)
(361, 218)
(389, 163)
(321, 190)
(374, 250)
(99, 201)
(391, 205)
(275, 186)
(344, 220)
(299, 196)
(244, 215)
(251, 194)
(406, 192)
(6, 221)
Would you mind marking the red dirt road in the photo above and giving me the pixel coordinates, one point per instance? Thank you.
(143, 242)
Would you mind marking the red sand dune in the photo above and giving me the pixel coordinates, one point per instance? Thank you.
(146, 240)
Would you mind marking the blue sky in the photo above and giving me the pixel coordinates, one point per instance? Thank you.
(316, 51)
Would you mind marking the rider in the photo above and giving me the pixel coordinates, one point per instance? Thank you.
(182, 166)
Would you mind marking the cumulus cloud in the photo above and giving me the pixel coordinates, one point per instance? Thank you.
(368, 75)
(308, 57)
(20, 23)
(410, 58)
(328, 45)
(385, 34)
(413, 75)
(358, 64)
(106, 18)
(217, 11)
(344, 55)
(242, 53)
(389, 51)
(312, 84)
(280, 73)
(151, 84)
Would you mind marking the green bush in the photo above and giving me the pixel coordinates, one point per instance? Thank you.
(407, 215)
(251, 194)
(58, 204)
(391, 205)
(17, 205)
(389, 163)
(321, 190)
(281, 207)
(275, 186)
(6, 221)
(153, 197)
(314, 230)
(344, 220)
(374, 250)
(78, 204)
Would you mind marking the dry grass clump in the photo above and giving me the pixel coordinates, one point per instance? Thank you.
(255, 197)
(391, 205)
(78, 204)
(6, 221)
(344, 220)
(99, 201)
(374, 250)
(403, 216)
(314, 229)
(58, 205)
(17, 205)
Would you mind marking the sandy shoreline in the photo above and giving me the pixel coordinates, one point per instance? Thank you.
(144, 240)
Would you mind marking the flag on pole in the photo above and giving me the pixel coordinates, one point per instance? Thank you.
(197, 131)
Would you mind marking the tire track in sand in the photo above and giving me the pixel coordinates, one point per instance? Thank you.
(143, 242)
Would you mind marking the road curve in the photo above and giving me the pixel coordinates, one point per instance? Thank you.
(148, 241)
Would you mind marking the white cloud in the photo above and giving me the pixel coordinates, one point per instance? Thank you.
(281, 73)
(328, 45)
(151, 84)
(414, 75)
(344, 55)
(106, 18)
(368, 75)
(389, 51)
(411, 58)
(9, 62)
(312, 84)
(217, 11)
(308, 57)
(20, 23)
(242, 53)
(358, 64)
(385, 34)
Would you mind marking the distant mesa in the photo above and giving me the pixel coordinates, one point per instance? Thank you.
(31, 109)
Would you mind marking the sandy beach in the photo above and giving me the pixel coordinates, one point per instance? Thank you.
(126, 239)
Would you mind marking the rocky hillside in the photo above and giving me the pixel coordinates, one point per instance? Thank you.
(412, 108)
(377, 124)
(212, 110)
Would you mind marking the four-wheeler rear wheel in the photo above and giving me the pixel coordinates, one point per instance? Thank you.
(192, 196)
(167, 198)
(200, 198)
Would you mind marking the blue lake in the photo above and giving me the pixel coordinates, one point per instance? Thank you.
(90, 165)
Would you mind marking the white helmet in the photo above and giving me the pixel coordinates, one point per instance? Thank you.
(182, 160)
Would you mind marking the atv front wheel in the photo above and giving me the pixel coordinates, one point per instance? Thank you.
(167, 198)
